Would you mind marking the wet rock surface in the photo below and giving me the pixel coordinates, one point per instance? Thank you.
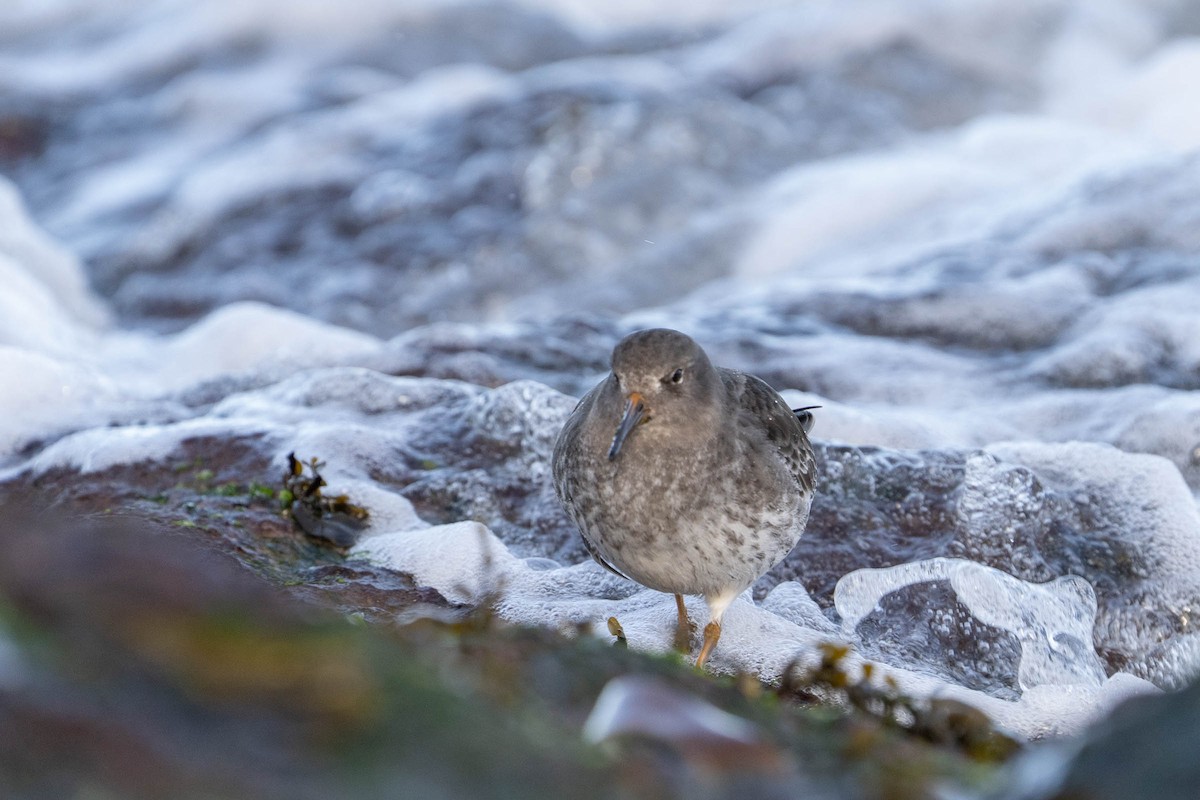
(460, 452)
(223, 494)
(484, 457)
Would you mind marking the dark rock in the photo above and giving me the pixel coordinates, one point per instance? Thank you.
(1145, 748)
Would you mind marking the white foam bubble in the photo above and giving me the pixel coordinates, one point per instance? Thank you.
(97, 449)
(1143, 98)
(237, 338)
(46, 305)
(41, 395)
(463, 560)
(1052, 621)
(820, 219)
(793, 603)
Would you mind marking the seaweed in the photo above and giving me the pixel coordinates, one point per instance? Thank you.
(334, 520)
(939, 721)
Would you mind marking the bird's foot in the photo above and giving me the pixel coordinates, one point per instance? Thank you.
(685, 632)
(712, 632)
(614, 627)
(685, 629)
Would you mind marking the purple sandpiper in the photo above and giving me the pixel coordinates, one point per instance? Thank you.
(684, 477)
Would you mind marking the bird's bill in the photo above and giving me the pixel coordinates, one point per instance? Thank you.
(635, 413)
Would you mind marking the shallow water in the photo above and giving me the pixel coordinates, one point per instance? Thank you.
(405, 238)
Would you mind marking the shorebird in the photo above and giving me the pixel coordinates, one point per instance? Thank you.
(684, 477)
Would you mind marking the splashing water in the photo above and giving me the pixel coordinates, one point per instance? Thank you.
(967, 231)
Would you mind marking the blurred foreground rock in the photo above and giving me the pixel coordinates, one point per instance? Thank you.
(142, 664)
(1147, 748)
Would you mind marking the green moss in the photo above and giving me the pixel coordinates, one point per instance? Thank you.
(260, 491)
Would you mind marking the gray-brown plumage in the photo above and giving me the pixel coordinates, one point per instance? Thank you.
(685, 477)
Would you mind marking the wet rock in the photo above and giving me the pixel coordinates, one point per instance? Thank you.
(374, 593)
(1143, 749)
(21, 136)
(1039, 523)
(224, 492)
(711, 738)
(492, 456)
(456, 452)
(565, 353)
(150, 666)
(720, 755)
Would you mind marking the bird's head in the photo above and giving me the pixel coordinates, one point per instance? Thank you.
(659, 377)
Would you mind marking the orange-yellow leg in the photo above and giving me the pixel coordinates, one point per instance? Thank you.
(712, 632)
(683, 629)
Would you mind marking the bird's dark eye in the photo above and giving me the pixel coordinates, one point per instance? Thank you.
(677, 376)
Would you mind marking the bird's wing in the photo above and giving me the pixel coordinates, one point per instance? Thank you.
(783, 428)
(594, 553)
(567, 440)
(805, 416)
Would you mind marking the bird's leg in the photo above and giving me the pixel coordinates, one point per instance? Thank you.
(683, 628)
(712, 632)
